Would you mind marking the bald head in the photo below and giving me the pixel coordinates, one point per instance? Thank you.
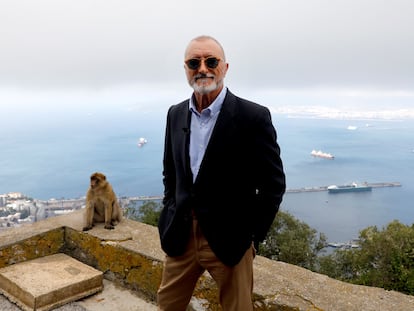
(206, 38)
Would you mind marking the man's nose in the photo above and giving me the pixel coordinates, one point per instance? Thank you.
(203, 66)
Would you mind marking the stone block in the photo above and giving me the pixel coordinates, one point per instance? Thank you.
(48, 282)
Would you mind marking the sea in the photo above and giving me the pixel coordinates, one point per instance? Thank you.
(52, 156)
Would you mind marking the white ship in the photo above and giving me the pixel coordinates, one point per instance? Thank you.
(320, 154)
(346, 245)
(142, 141)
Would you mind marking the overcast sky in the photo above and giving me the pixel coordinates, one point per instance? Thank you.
(321, 48)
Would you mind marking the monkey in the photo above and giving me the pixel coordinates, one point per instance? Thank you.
(101, 203)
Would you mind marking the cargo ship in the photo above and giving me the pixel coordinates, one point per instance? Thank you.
(354, 187)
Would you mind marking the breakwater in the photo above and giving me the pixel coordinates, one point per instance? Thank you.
(288, 190)
(54, 204)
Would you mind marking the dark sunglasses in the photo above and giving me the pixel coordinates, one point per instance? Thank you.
(195, 63)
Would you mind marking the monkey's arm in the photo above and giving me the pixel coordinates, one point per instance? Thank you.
(108, 214)
(89, 213)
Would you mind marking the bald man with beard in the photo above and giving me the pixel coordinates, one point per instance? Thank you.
(223, 185)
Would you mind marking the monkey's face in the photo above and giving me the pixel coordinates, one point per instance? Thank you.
(97, 179)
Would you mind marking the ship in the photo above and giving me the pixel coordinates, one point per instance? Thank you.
(354, 187)
(321, 154)
(142, 141)
(346, 245)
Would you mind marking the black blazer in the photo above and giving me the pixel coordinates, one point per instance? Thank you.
(238, 189)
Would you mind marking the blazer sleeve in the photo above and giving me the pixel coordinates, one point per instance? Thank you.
(270, 176)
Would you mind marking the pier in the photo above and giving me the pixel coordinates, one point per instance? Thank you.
(63, 204)
(325, 188)
(296, 190)
(288, 190)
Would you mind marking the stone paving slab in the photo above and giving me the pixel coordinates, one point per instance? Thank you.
(111, 298)
(48, 282)
(114, 298)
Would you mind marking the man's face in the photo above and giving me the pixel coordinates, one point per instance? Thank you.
(205, 66)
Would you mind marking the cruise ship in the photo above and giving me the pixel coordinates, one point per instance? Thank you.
(321, 154)
(142, 141)
(354, 187)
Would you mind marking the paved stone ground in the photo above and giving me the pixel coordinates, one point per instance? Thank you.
(6, 305)
(110, 299)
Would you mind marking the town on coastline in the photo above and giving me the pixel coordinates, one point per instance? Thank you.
(17, 209)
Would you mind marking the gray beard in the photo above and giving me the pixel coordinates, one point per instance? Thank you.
(203, 89)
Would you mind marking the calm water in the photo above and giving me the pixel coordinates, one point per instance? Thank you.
(377, 151)
(54, 160)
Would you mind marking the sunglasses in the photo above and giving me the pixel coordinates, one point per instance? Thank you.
(195, 63)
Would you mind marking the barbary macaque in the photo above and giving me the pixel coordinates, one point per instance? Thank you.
(101, 203)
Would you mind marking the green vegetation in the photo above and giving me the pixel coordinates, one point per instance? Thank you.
(292, 241)
(148, 212)
(384, 259)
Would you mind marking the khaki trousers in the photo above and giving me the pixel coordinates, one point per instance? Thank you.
(180, 275)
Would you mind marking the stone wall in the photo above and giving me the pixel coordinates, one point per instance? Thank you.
(131, 256)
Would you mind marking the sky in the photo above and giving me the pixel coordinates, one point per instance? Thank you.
(291, 55)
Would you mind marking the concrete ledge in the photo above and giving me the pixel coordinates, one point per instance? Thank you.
(48, 282)
(131, 256)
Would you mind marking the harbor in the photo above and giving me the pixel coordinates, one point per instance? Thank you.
(288, 190)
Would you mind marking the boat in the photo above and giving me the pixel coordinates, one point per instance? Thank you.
(142, 141)
(346, 245)
(320, 154)
(354, 187)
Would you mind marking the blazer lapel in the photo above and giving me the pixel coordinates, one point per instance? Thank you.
(184, 145)
(186, 130)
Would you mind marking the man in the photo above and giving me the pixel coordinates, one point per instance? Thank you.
(223, 184)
